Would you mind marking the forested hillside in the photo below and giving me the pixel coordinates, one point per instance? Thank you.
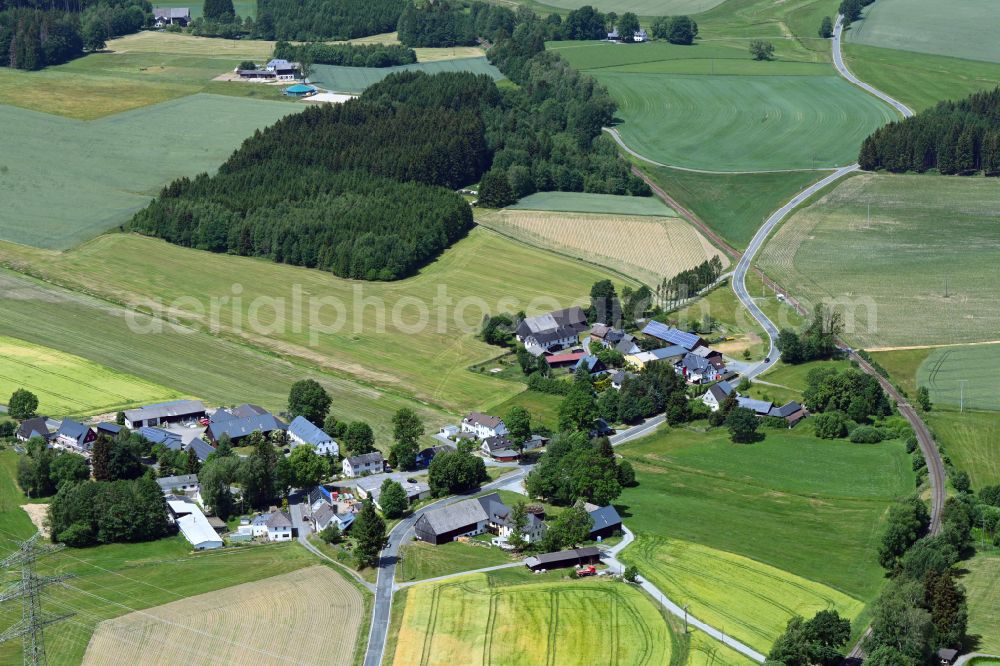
(309, 20)
(347, 55)
(960, 137)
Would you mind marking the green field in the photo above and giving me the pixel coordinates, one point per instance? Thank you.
(581, 202)
(356, 79)
(743, 123)
(733, 205)
(243, 8)
(74, 179)
(640, 7)
(961, 29)
(919, 272)
(380, 343)
(790, 380)
(902, 365)
(972, 441)
(810, 507)
(981, 584)
(68, 385)
(746, 599)
(962, 374)
(480, 620)
(419, 560)
(543, 407)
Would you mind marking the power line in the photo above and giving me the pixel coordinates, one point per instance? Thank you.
(33, 621)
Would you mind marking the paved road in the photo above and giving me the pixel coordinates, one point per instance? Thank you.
(304, 529)
(838, 62)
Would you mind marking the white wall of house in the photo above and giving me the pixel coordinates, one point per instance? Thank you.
(482, 432)
(279, 533)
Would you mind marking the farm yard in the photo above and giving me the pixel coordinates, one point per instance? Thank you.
(70, 385)
(781, 502)
(922, 271)
(956, 29)
(514, 620)
(48, 171)
(356, 79)
(748, 600)
(379, 362)
(271, 621)
(648, 249)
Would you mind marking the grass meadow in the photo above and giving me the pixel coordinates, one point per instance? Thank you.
(813, 508)
(355, 79)
(65, 180)
(644, 248)
(956, 29)
(481, 619)
(68, 385)
(972, 441)
(582, 202)
(787, 382)
(543, 407)
(981, 584)
(419, 560)
(920, 271)
(747, 600)
(421, 352)
(640, 7)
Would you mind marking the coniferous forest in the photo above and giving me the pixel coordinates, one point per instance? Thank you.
(347, 55)
(312, 20)
(954, 137)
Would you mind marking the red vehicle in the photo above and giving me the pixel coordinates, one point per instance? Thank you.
(589, 570)
(203, 420)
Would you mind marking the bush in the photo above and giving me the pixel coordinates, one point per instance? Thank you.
(631, 573)
(761, 50)
(774, 422)
(911, 444)
(830, 425)
(866, 435)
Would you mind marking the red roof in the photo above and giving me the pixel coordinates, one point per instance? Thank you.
(565, 358)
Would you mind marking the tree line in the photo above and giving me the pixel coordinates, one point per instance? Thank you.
(348, 55)
(314, 20)
(955, 137)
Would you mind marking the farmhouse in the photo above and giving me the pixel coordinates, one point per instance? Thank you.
(501, 524)
(75, 435)
(671, 354)
(274, 526)
(605, 519)
(613, 338)
(302, 431)
(241, 422)
(593, 364)
(697, 369)
(555, 330)
(483, 425)
(201, 448)
(109, 430)
(499, 448)
(282, 69)
(175, 411)
(673, 336)
(193, 524)
(171, 440)
(371, 488)
(425, 456)
(716, 394)
(324, 515)
(565, 558)
(34, 427)
(466, 518)
(355, 466)
(164, 16)
(184, 484)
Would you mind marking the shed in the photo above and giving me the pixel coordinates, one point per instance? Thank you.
(564, 558)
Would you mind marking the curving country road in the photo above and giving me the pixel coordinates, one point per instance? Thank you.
(838, 62)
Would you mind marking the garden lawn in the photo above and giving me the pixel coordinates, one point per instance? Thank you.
(67, 385)
(981, 585)
(479, 620)
(813, 508)
(414, 337)
(921, 271)
(972, 441)
(355, 79)
(744, 598)
(64, 181)
(419, 560)
(962, 29)
(581, 202)
(543, 407)
(743, 123)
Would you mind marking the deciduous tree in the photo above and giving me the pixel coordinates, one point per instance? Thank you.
(22, 404)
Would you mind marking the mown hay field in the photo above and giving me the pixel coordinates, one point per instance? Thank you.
(64, 181)
(387, 343)
(468, 621)
(920, 271)
(67, 385)
(972, 441)
(279, 620)
(583, 202)
(648, 249)
(962, 29)
(748, 600)
(640, 7)
(963, 375)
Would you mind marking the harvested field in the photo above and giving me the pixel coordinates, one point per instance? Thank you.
(582, 202)
(277, 620)
(646, 248)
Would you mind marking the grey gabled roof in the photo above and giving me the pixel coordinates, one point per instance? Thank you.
(566, 321)
(201, 448)
(478, 418)
(563, 555)
(278, 519)
(168, 483)
(758, 406)
(304, 429)
(241, 427)
(785, 410)
(154, 435)
(603, 516)
(34, 427)
(721, 390)
(372, 458)
(73, 429)
(460, 514)
(161, 410)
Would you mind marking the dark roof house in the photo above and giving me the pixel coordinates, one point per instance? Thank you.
(672, 335)
(565, 558)
(238, 427)
(606, 520)
(201, 448)
(171, 440)
(34, 427)
(467, 517)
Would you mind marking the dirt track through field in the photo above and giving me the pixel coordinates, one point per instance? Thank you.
(311, 616)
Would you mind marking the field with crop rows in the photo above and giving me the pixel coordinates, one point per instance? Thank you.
(582, 202)
(648, 249)
(75, 179)
(748, 600)
(467, 621)
(355, 79)
(385, 342)
(921, 270)
(960, 29)
(962, 374)
(271, 621)
(69, 385)
(972, 441)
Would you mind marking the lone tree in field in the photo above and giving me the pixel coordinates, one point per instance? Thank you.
(762, 50)
(826, 28)
(742, 424)
(308, 399)
(369, 532)
(392, 499)
(219, 10)
(22, 404)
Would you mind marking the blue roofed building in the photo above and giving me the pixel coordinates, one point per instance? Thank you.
(201, 448)
(171, 440)
(673, 336)
(606, 520)
(593, 364)
(302, 431)
(241, 422)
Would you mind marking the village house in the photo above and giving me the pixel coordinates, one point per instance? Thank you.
(502, 525)
(716, 394)
(593, 364)
(200, 447)
(175, 411)
(371, 463)
(671, 354)
(170, 440)
(500, 449)
(164, 16)
(109, 430)
(74, 435)
(483, 425)
(619, 378)
(183, 484)
(273, 526)
(282, 69)
(302, 431)
(371, 488)
(324, 515)
(791, 411)
(466, 518)
(613, 338)
(697, 369)
(555, 330)
(425, 456)
(34, 427)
